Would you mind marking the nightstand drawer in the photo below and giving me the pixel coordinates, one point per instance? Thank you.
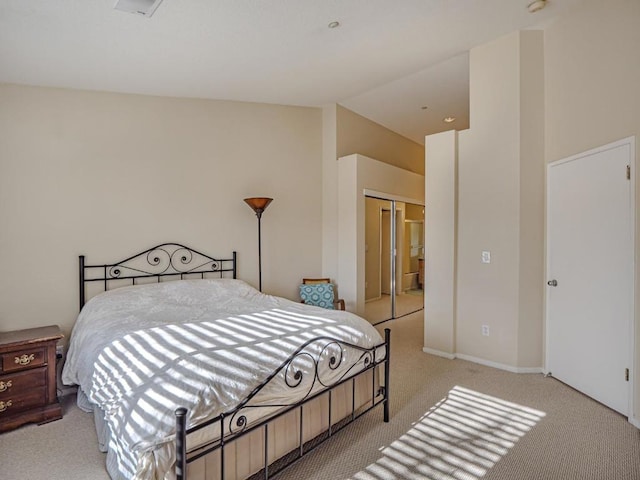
(28, 377)
(16, 383)
(16, 403)
(22, 359)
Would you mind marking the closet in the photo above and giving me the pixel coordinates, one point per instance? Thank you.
(394, 258)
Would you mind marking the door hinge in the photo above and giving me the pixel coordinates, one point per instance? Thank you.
(628, 172)
(626, 374)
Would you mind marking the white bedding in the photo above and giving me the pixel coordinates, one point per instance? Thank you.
(140, 352)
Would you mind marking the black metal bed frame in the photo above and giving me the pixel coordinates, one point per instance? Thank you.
(164, 260)
(234, 425)
(174, 259)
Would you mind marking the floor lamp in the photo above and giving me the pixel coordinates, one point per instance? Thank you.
(259, 205)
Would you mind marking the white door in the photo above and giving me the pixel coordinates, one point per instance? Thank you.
(590, 256)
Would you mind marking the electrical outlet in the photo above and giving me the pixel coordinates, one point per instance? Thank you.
(59, 351)
(485, 330)
(486, 256)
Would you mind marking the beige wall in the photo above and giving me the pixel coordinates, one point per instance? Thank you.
(329, 193)
(500, 187)
(487, 294)
(346, 133)
(592, 84)
(107, 175)
(441, 220)
(531, 281)
(357, 134)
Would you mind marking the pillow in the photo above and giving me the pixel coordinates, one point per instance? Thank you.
(318, 294)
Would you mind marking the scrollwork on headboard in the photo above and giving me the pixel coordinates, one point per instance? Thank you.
(167, 259)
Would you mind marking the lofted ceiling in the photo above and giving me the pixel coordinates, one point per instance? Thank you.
(387, 60)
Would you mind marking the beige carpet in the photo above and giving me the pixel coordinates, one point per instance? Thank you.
(449, 420)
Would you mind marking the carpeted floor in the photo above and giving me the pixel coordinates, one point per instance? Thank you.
(450, 420)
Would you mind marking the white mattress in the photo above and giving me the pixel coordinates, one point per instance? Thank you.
(140, 352)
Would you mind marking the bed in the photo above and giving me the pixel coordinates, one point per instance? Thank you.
(207, 378)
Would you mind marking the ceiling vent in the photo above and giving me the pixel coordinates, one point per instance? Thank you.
(140, 7)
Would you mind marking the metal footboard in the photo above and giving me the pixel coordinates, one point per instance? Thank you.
(236, 423)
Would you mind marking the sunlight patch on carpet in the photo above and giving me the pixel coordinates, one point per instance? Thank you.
(460, 438)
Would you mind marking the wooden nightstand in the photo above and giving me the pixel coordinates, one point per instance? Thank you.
(28, 377)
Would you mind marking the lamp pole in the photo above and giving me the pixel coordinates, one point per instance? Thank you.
(259, 205)
(259, 215)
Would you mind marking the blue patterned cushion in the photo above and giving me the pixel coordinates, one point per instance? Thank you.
(318, 294)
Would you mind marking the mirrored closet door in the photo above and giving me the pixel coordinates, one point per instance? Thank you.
(394, 259)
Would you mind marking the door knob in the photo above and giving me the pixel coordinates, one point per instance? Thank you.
(552, 283)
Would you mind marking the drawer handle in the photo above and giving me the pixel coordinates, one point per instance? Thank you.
(5, 386)
(25, 359)
(5, 405)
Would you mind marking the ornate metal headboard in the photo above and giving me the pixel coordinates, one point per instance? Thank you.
(165, 260)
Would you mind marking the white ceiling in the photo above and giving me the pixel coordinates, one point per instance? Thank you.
(386, 60)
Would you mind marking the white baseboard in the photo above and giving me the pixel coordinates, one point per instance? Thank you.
(482, 361)
(635, 422)
(500, 366)
(438, 353)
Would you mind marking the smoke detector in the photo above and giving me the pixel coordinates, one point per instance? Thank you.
(536, 6)
(140, 7)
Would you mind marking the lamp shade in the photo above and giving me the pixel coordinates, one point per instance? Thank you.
(258, 204)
